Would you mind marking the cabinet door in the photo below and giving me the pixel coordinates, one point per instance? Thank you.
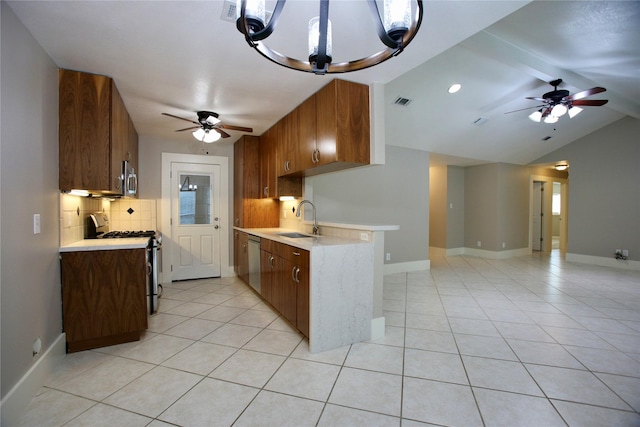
(289, 289)
(268, 162)
(267, 273)
(84, 131)
(287, 145)
(343, 132)
(119, 133)
(243, 257)
(309, 156)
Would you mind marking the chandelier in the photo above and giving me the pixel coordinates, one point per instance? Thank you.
(396, 28)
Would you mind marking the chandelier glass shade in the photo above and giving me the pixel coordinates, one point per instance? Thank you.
(396, 28)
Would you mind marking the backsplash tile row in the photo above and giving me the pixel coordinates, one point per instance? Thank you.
(124, 214)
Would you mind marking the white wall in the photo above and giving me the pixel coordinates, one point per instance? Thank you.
(30, 270)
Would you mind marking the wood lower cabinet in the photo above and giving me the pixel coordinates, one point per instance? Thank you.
(285, 281)
(103, 297)
(241, 252)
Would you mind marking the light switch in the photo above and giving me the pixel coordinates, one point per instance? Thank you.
(36, 223)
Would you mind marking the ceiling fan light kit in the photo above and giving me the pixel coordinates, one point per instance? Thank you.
(557, 103)
(209, 127)
(396, 28)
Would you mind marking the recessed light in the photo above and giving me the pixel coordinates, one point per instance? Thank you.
(454, 88)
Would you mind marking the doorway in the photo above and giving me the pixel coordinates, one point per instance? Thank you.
(194, 217)
(544, 202)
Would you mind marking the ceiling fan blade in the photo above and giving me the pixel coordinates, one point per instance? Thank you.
(222, 133)
(181, 118)
(585, 93)
(189, 128)
(590, 102)
(522, 109)
(536, 99)
(230, 127)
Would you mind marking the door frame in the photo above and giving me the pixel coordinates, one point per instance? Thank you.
(168, 245)
(548, 217)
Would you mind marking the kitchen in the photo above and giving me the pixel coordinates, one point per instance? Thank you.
(27, 162)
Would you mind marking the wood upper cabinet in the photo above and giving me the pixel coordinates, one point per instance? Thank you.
(342, 126)
(95, 133)
(307, 134)
(288, 143)
(329, 131)
(269, 162)
(249, 210)
(103, 297)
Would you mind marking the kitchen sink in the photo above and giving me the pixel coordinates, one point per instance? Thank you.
(295, 235)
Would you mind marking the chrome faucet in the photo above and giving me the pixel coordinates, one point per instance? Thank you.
(316, 230)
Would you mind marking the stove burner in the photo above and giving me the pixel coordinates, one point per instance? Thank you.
(128, 234)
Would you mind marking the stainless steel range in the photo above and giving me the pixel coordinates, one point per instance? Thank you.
(98, 228)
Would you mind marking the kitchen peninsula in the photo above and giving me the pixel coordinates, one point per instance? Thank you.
(337, 280)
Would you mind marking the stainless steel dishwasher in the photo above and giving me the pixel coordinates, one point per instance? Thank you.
(254, 262)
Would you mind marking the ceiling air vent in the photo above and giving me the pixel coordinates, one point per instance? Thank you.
(229, 12)
(546, 138)
(403, 102)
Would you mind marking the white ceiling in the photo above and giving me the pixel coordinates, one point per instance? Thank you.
(179, 57)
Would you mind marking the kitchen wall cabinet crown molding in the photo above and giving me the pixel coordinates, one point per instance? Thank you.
(96, 133)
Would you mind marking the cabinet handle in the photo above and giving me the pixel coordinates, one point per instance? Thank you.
(296, 253)
(286, 165)
(293, 274)
(265, 191)
(271, 261)
(244, 247)
(297, 275)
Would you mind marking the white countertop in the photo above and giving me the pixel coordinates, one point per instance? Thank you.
(307, 243)
(106, 244)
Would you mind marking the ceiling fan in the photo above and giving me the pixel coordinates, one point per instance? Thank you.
(559, 102)
(209, 128)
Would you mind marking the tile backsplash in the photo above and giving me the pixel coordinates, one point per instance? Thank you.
(124, 214)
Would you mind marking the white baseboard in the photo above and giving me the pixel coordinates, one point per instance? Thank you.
(377, 328)
(14, 403)
(604, 261)
(480, 253)
(405, 267)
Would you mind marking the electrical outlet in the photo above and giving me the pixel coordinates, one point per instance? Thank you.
(504, 245)
(364, 236)
(479, 244)
(618, 251)
(625, 252)
(388, 256)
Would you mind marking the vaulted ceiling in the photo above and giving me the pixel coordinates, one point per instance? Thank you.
(179, 57)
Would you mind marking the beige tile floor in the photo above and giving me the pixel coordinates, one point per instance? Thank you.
(529, 341)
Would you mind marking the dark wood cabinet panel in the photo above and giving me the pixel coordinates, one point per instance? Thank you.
(285, 281)
(249, 210)
(103, 297)
(95, 133)
(242, 261)
(84, 115)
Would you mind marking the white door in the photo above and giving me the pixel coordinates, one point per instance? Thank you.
(195, 213)
(536, 218)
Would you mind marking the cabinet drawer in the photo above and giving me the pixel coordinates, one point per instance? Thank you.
(297, 256)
